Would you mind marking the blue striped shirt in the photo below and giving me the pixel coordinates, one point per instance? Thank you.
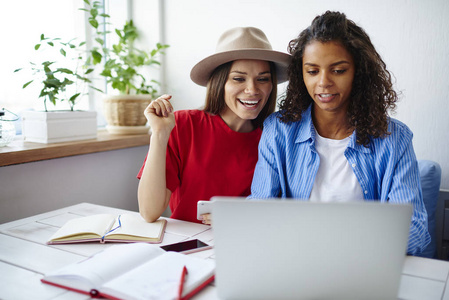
(387, 170)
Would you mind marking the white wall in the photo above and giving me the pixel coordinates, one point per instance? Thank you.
(106, 178)
(411, 35)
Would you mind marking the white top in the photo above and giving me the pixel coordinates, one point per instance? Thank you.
(335, 180)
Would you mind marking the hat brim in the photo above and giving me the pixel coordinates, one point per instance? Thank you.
(202, 71)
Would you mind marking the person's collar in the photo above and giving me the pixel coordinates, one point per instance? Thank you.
(306, 131)
(353, 144)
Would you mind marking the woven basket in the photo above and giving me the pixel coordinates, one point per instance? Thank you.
(126, 110)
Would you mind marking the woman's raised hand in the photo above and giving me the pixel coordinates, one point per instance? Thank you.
(159, 114)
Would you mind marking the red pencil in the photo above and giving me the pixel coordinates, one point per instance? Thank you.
(181, 283)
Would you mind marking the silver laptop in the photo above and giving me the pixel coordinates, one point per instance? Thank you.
(284, 249)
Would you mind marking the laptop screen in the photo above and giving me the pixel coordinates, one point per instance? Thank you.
(296, 249)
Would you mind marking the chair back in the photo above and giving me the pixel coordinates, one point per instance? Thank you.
(430, 173)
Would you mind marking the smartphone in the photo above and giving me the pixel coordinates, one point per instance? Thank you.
(203, 207)
(187, 247)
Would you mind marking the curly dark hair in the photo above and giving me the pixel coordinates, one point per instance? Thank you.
(372, 92)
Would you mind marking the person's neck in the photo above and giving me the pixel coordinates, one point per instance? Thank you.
(237, 124)
(332, 125)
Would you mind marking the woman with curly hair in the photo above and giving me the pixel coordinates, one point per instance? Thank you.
(332, 139)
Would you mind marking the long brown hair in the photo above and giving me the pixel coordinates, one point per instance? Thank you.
(215, 101)
(372, 92)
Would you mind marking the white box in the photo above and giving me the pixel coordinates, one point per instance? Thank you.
(58, 126)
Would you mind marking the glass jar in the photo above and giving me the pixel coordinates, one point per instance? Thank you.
(7, 130)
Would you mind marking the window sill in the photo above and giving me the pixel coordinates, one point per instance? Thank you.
(18, 151)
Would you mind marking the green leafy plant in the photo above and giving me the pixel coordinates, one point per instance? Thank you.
(123, 63)
(56, 77)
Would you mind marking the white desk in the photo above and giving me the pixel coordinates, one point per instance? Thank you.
(25, 257)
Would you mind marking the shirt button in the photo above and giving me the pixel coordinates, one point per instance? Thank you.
(353, 165)
(366, 192)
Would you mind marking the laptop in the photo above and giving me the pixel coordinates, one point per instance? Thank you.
(285, 249)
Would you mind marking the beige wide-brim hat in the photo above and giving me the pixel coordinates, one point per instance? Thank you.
(241, 43)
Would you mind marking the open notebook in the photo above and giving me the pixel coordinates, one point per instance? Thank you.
(284, 249)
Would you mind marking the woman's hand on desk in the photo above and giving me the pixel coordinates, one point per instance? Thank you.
(207, 219)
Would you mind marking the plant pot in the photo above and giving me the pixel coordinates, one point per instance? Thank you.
(124, 114)
(59, 126)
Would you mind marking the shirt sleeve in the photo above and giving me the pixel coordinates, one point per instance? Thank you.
(406, 188)
(266, 180)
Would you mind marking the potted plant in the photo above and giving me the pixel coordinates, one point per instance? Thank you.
(123, 65)
(61, 81)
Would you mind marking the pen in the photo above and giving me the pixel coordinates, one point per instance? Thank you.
(181, 283)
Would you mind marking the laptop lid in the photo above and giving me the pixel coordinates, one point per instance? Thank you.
(284, 249)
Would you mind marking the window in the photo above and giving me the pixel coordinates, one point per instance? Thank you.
(22, 27)
(22, 24)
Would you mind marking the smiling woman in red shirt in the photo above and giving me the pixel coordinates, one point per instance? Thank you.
(197, 154)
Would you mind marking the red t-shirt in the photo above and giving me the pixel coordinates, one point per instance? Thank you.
(206, 158)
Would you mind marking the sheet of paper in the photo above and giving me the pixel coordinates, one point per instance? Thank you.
(98, 224)
(105, 265)
(135, 225)
(160, 278)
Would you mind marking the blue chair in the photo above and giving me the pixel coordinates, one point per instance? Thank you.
(430, 173)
